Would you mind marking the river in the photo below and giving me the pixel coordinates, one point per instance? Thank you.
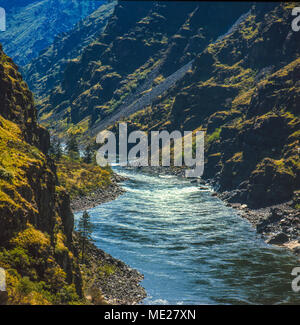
(191, 248)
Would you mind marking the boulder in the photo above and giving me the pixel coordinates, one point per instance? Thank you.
(278, 239)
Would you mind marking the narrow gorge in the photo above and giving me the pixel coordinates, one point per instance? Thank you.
(73, 232)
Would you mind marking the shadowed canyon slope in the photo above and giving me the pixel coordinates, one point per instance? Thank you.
(139, 39)
(244, 92)
(242, 88)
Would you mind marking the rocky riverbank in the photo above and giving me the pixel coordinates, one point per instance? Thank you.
(277, 224)
(108, 280)
(99, 196)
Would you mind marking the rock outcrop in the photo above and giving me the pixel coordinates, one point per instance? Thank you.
(35, 216)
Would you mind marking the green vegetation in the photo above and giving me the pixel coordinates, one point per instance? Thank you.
(214, 136)
(79, 178)
(36, 250)
(106, 270)
(33, 275)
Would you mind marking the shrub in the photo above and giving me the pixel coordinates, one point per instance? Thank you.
(214, 136)
(36, 242)
(6, 175)
(106, 270)
(16, 258)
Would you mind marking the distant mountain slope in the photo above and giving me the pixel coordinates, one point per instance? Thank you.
(142, 39)
(33, 25)
(46, 71)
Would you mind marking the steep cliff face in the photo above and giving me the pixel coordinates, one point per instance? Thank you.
(244, 92)
(32, 25)
(35, 217)
(135, 52)
(242, 88)
(251, 93)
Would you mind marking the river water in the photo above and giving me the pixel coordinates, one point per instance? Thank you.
(191, 248)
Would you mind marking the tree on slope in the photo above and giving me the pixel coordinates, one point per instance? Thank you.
(85, 229)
